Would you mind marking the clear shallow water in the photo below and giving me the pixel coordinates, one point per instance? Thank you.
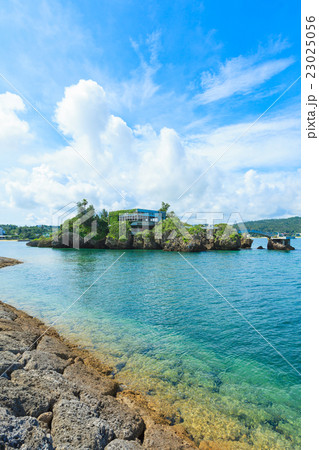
(169, 334)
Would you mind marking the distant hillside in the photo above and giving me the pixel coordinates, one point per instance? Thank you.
(291, 226)
(26, 232)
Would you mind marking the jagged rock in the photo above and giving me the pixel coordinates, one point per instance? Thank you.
(9, 362)
(124, 421)
(68, 240)
(278, 245)
(89, 380)
(121, 444)
(22, 400)
(6, 313)
(182, 244)
(118, 244)
(48, 382)
(145, 241)
(51, 344)
(75, 425)
(164, 438)
(45, 420)
(17, 341)
(40, 360)
(22, 432)
(42, 242)
(4, 262)
(226, 243)
(245, 242)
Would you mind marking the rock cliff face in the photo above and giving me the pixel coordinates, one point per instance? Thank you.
(245, 242)
(169, 241)
(56, 396)
(69, 240)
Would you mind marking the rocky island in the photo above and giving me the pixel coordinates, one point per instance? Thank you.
(55, 395)
(140, 229)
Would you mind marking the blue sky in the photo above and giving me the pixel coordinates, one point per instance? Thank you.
(166, 87)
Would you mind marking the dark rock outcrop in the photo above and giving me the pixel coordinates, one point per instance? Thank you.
(245, 242)
(279, 244)
(68, 240)
(260, 247)
(4, 262)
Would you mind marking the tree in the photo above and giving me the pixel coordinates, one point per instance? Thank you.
(164, 207)
(82, 207)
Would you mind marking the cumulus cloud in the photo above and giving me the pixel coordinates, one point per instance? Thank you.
(13, 130)
(149, 166)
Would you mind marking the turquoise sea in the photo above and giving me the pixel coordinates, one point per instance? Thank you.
(169, 334)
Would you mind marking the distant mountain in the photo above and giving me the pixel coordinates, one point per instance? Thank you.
(291, 226)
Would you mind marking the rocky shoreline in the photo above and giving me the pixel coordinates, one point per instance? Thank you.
(55, 395)
(198, 242)
(4, 262)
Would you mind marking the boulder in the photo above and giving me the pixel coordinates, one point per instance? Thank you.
(163, 437)
(9, 362)
(53, 345)
(6, 313)
(45, 382)
(22, 400)
(89, 380)
(40, 360)
(125, 422)
(121, 444)
(77, 426)
(22, 432)
(260, 247)
(45, 420)
(17, 341)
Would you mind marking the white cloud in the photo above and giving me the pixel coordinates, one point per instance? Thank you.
(13, 130)
(151, 167)
(239, 76)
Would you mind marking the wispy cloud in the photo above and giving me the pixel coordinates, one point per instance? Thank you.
(239, 75)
